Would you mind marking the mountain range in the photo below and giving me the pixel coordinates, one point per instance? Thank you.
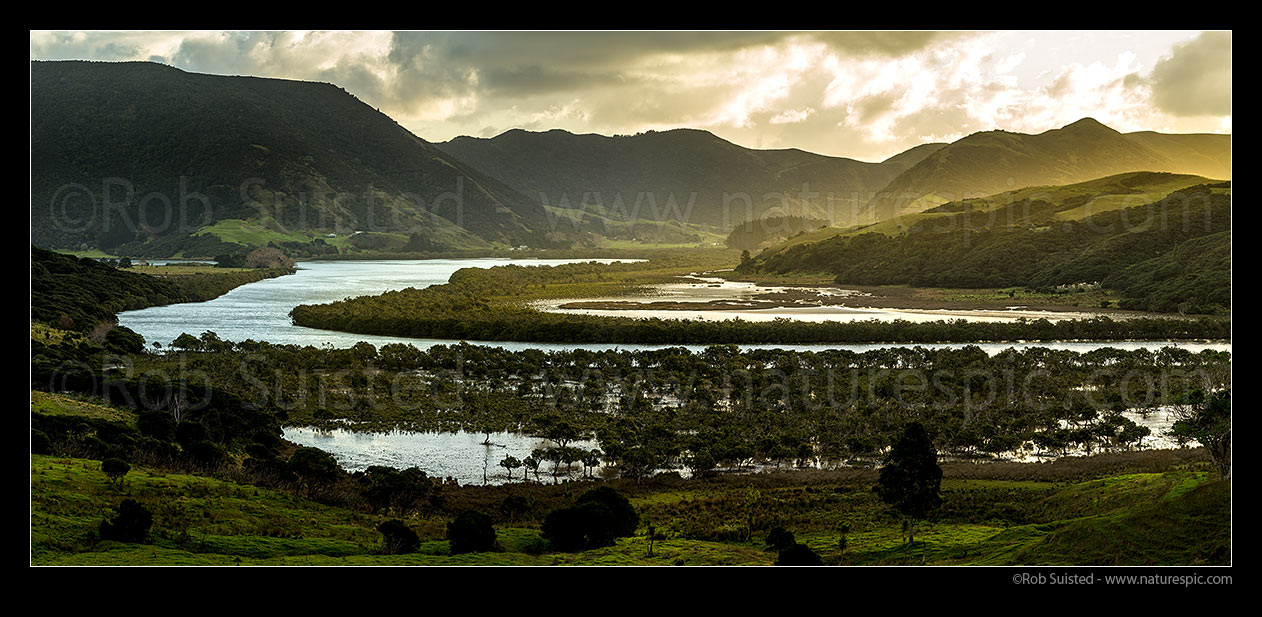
(686, 172)
(138, 156)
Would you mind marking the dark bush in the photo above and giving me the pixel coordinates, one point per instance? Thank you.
(386, 487)
(258, 450)
(190, 432)
(267, 439)
(156, 448)
(206, 453)
(131, 524)
(314, 464)
(583, 526)
(514, 506)
(798, 555)
(625, 520)
(397, 538)
(40, 444)
(471, 532)
(156, 424)
(779, 539)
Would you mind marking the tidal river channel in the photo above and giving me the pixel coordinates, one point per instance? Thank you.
(260, 311)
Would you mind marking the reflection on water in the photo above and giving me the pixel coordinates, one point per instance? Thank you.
(260, 311)
(811, 304)
(462, 456)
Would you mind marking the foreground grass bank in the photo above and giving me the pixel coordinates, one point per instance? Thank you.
(1140, 509)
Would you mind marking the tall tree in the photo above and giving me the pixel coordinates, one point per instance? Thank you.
(910, 478)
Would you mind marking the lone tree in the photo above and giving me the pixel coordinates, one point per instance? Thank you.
(1206, 419)
(911, 478)
(115, 469)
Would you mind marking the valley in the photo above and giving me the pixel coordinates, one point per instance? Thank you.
(273, 324)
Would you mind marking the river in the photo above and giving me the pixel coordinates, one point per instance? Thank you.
(260, 311)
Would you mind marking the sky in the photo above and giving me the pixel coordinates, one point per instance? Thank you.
(865, 95)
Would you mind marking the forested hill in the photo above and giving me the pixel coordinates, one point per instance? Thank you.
(78, 294)
(289, 156)
(566, 170)
(995, 161)
(1163, 249)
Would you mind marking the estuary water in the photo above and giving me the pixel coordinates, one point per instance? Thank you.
(260, 311)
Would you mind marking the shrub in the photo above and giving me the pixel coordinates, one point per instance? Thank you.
(798, 555)
(397, 538)
(471, 532)
(600, 516)
(579, 527)
(40, 444)
(205, 452)
(625, 520)
(156, 424)
(189, 432)
(779, 539)
(313, 463)
(131, 524)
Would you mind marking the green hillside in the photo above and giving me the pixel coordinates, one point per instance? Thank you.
(1161, 240)
(992, 162)
(1172, 517)
(137, 158)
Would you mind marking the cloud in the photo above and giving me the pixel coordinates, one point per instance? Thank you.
(865, 95)
(792, 116)
(1195, 79)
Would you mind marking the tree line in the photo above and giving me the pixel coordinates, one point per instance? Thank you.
(495, 304)
(722, 407)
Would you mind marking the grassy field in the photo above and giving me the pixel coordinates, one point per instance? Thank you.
(66, 405)
(256, 233)
(184, 269)
(90, 253)
(1176, 516)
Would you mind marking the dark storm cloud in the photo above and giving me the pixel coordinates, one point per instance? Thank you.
(537, 62)
(1196, 78)
(536, 79)
(530, 63)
